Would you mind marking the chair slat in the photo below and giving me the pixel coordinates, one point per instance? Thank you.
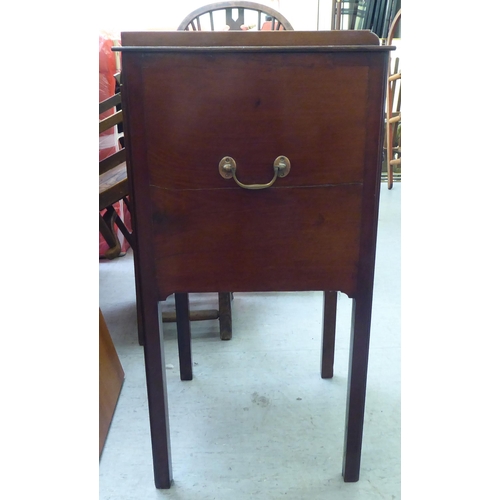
(112, 161)
(110, 121)
(109, 103)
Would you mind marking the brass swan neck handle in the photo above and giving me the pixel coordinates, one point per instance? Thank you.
(227, 169)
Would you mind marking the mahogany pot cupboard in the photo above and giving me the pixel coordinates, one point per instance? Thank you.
(254, 164)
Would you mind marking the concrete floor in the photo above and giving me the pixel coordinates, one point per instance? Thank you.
(257, 420)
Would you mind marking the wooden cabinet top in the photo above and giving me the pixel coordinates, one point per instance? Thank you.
(359, 40)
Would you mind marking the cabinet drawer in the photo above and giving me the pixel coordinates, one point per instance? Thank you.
(239, 240)
(255, 108)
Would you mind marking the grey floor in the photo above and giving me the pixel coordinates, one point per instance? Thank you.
(257, 420)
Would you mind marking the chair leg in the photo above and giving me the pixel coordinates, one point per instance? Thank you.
(225, 320)
(184, 335)
(157, 395)
(390, 173)
(356, 390)
(106, 228)
(389, 133)
(328, 340)
(126, 233)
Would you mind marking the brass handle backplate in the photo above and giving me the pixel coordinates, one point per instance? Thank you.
(227, 169)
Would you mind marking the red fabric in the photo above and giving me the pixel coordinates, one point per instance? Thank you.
(107, 70)
(108, 140)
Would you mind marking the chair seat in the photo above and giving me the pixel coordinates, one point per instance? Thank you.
(113, 185)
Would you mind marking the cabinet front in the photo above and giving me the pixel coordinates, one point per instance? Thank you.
(205, 108)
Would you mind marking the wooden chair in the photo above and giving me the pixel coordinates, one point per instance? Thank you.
(218, 16)
(113, 184)
(393, 111)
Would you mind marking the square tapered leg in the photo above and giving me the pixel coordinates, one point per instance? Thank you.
(157, 394)
(356, 390)
(328, 340)
(184, 335)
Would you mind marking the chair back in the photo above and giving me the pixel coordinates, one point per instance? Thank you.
(113, 180)
(393, 109)
(234, 16)
(107, 133)
(113, 168)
